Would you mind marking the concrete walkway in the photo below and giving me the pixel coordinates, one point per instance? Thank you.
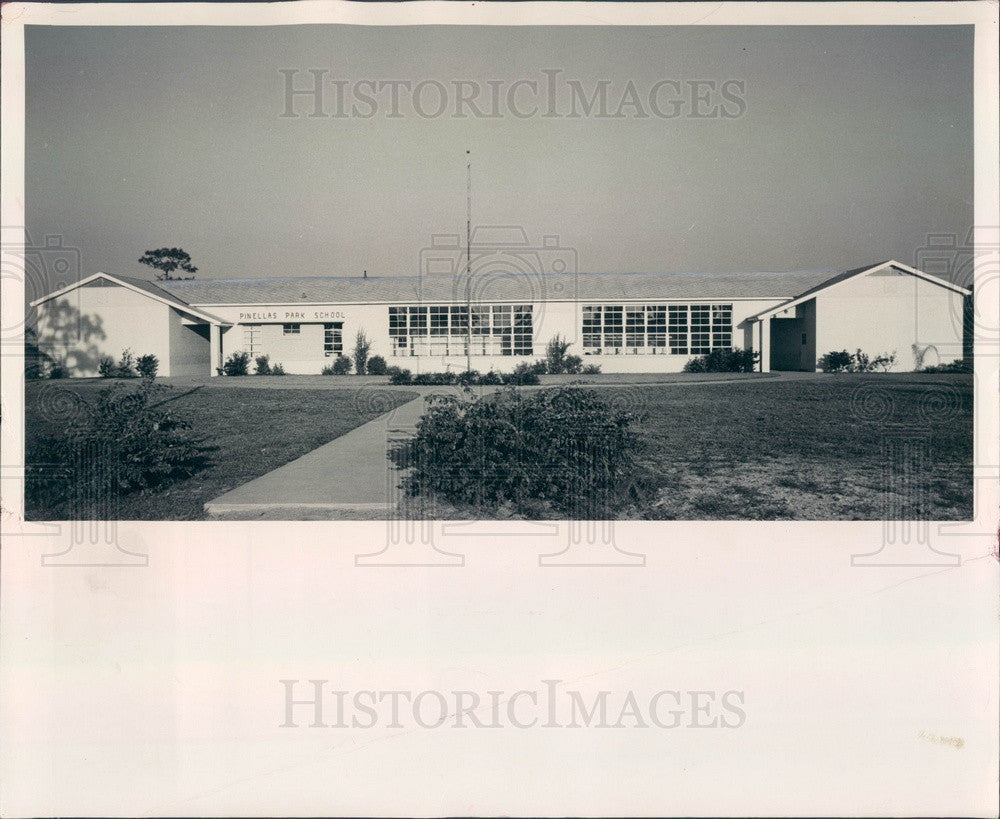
(352, 473)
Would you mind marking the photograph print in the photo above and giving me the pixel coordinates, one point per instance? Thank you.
(337, 272)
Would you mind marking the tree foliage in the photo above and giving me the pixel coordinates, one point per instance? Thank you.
(167, 260)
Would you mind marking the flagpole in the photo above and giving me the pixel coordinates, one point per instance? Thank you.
(468, 263)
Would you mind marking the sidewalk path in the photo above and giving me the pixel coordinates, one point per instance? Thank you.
(351, 473)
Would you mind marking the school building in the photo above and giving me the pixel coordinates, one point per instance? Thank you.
(625, 322)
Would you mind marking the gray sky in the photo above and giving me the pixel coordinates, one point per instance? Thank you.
(855, 144)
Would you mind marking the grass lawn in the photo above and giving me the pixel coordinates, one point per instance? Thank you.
(818, 449)
(251, 432)
(831, 447)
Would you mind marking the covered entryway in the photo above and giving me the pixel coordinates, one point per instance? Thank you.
(793, 339)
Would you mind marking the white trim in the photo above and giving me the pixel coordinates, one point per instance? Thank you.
(866, 271)
(107, 276)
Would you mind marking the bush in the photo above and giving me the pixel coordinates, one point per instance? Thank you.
(126, 365)
(724, 361)
(123, 442)
(342, 365)
(277, 369)
(399, 376)
(556, 360)
(591, 369)
(434, 379)
(362, 346)
(959, 365)
(106, 367)
(147, 365)
(263, 365)
(563, 450)
(884, 362)
(468, 378)
(237, 364)
(857, 362)
(835, 362)
(555, 355)
(58, 370)
(376, 365)
(524, 374)
(490, 379)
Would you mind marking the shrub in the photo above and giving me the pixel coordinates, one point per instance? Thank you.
(434, 379)
(362, 346)
(835, 362)
(342, 365)
(106, 367)
(556, 360)
(399, 376)
(564, 450)
(555, 354)
(58, 370)
(263, 365)
(237, 364)
(959, 365)
(277, 369)
(856, 362)
(724, 361)
(524, 374)
(147, 365)
(884, 362)
(123, 442)
(591, 369)
(468, 378)
(491, 379)
(126, 365)
(376, 365)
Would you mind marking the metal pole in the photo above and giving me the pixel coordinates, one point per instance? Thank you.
(468, 265)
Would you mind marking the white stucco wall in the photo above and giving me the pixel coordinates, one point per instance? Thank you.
(303, 353)
(885, 314)
(89, 322)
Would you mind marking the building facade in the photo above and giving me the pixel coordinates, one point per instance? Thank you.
(632, 322)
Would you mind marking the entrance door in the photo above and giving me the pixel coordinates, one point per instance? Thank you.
(788, 338)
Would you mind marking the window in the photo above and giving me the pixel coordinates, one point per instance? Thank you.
(251, 339)
(290, 329)
(451, 329)
(333, 340)
(656, 329)
(678, 328)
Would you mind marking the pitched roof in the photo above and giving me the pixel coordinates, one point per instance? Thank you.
(874, 269)
(496, 287)
(154, 289)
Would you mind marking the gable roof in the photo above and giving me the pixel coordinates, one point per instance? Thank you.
(143, 286)
(860, 271)
(506, 286)
(791, 288)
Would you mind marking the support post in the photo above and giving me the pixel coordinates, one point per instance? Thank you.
(214, 349)
(764, 326)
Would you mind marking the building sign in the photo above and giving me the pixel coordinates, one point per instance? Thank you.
(293, 315)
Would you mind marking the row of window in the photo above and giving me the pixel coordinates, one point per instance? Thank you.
(678, 329)
(457, 330)
(439, 330)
